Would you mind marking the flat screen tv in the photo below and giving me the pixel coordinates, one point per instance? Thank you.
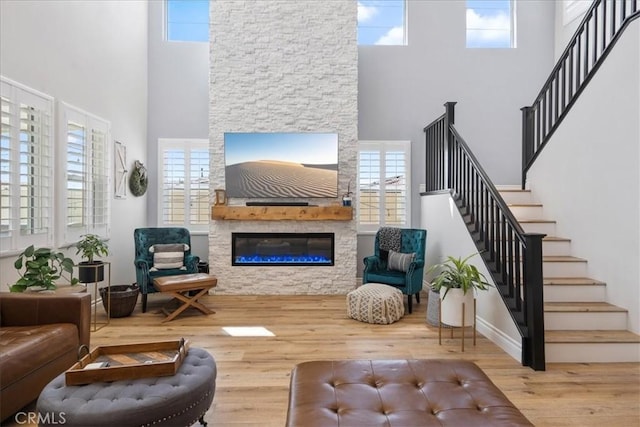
(281, 165)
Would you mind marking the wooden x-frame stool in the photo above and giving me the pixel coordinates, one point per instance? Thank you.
(182, 287)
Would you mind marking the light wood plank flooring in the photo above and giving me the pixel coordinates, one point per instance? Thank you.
(253, 372)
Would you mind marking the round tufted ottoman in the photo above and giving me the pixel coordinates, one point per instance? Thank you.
(375, 303)
(178, 400)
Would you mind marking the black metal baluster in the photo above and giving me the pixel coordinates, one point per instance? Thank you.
(613, 20)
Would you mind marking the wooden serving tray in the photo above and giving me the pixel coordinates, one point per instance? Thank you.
(128, 361)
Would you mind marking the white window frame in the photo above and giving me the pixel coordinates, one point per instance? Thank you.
(13, 240)
(512, 27)
(186, 146)
(97, 179)
(384, 147)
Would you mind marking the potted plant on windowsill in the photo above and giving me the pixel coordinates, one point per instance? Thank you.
(39, 269)
(457, 282)
(91, 270)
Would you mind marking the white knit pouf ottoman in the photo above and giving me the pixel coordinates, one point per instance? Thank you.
(375, 303)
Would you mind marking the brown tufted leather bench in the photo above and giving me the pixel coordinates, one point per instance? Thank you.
(397, 393)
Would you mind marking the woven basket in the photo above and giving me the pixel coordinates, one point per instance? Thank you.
(433, 307)
(123, 299)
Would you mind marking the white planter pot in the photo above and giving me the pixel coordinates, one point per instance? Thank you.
(452, 304)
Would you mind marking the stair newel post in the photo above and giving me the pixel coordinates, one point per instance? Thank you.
(527, 141)
(533, 344)
(449, 119)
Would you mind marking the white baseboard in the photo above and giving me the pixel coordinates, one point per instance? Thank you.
(512, 347)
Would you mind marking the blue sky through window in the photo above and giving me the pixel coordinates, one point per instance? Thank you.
(188, 20)
(381, 22)
(489, 23)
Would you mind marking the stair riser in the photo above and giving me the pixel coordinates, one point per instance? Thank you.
(574, 293)
(548, 228)
(517, 197)
(564, 269)
(527, 212)
(592, 352)
(572, 321)
(556, 247)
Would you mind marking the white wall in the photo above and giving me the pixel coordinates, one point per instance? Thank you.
(588, 175)
(447, 235)
(178, 103)
(92, 55)
(567, 22)
(403, 88)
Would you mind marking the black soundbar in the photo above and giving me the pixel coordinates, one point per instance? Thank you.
(277, 203)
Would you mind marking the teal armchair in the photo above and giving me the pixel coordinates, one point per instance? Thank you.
(398, 260)
(144, 239)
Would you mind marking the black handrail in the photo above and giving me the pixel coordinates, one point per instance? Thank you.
(596, 35)
(513, 257)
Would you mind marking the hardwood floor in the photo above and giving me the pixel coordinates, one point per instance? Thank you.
(253, 372)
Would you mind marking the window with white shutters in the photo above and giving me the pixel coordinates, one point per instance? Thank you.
(86, 174)
(184, 194)
(26, 168)
(383, 184)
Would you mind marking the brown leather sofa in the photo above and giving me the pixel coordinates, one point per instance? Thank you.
(39, 339)
(397, 393)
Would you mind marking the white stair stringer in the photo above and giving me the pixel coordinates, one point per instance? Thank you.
(580, 326)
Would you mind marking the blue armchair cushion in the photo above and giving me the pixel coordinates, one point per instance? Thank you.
(399, 261)
(168, 256)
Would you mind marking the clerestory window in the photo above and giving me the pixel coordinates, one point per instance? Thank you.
(382, 22)
(491, 24)
(187, 20)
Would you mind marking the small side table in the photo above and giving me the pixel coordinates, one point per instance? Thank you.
(462, 326)
(95, 325)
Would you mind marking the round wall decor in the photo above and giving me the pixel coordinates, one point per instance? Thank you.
(138, 180)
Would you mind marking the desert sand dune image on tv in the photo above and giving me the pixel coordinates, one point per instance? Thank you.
(281, 165)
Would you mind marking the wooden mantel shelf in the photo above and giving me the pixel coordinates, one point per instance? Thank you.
(280, 213)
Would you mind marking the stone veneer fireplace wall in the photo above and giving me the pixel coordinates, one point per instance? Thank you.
(284, 66)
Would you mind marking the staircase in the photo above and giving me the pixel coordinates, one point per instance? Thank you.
(580, 326)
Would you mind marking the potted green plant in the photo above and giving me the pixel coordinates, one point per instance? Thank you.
(39, 269)
(458, 280)
(89, 247)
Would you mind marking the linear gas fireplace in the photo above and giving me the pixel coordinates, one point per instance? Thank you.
(288, 249)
